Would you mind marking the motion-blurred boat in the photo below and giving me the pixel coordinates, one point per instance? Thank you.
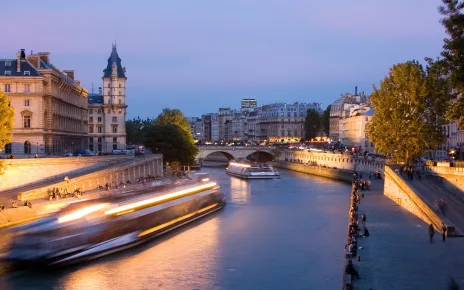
(99, 227)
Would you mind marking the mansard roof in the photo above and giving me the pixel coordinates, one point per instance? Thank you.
(114, 58)
(10, 65)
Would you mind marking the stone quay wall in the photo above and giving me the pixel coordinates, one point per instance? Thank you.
(344, 161)
(338, 174)
(398, 191)
(138, 168)
(21, 171)
(451, 177)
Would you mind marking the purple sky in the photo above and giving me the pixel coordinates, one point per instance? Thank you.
(200, 55)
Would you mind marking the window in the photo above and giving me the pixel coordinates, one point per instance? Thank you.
(91, 119)
(7, 88)
(90, 128)
(7, 63)
(27, 147)
(120, 101)
(8, 72)
(115, 119)
(26, 103)
(99, 119)
(108, 85)
(99, 111)
(115, 129)
(90, 111)
(27, 72)
(100, 129)
(8, 148)
(115, 139)
(27, 88)
(27, 121)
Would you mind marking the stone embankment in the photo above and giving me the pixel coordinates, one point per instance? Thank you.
(130, 171)
(19, 172)
(451, 177)
(346, 161)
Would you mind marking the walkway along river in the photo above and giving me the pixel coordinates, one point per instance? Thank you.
(273, 234)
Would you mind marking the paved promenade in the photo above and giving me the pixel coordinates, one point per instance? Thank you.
(397, 254)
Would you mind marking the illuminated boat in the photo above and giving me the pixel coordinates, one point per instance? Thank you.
(95, 228)
(249, 170)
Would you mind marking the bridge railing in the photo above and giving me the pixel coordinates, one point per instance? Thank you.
(215, 147)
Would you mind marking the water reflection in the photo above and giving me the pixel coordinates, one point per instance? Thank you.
(240, 190)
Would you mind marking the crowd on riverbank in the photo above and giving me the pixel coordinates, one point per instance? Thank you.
(357, 229)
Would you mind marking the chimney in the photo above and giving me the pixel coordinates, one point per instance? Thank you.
(18, 62)
(355, 90)
(69, 73)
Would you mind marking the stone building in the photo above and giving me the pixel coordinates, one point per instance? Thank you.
(50, 106)
(107, 110)
(352, 128)
(284, 122)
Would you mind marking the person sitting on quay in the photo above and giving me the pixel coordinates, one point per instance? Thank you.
(348, 286)
(431, 233)
(363, 219)
(365, 232)
(350, 270)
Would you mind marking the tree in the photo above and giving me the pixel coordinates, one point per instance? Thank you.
(173, 142)
(312, 124)
(6, 122)
(453, 58)
(135, 130)
(407, 110)
(326, 120)
(174, 117)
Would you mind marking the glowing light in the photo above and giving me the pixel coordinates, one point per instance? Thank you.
(154, 229)
(159, 199)
(205, 179)
(239, 164)
(81, 213)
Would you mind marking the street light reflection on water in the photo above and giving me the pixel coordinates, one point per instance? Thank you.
(273, 234)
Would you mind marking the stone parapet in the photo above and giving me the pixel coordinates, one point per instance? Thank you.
(451, 177)
(345, 161)
(398, 191)
(128, 171)
(339, 174)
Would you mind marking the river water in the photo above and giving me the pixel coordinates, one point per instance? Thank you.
(273, 234)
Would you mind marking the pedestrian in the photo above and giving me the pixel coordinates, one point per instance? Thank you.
(363, 218)
(443, 231)
(431, 233)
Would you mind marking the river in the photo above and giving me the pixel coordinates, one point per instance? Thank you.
(273, 234)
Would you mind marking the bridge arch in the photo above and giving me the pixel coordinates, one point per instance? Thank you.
(260, 156)
(218, 154)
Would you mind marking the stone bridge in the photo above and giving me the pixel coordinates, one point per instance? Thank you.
(237, 152)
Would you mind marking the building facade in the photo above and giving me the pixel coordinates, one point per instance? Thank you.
(51, 114)
(283, 123)
(248, 104)
(352, 130)
(107, 110)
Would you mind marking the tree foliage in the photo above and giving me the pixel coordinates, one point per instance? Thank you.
(6, 120)
(136, 128)
(174, 117)
(453, 56)
(312, 124)
(409, 108)
(172, 142)
(326, 120)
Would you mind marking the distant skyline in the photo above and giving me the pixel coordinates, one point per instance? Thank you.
(200, 55)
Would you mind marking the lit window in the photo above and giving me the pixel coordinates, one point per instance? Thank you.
(27, 121)
(7, 88)
(26, 103)
(8, 72)
(27, 88)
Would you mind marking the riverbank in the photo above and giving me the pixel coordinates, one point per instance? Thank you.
(333, 173)
(397, 254)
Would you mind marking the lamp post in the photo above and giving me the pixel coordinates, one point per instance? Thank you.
(37, 147)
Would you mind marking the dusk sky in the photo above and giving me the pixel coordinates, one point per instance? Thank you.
(201, 55)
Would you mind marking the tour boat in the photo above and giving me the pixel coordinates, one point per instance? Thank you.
(249, 170)
(92, 229)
